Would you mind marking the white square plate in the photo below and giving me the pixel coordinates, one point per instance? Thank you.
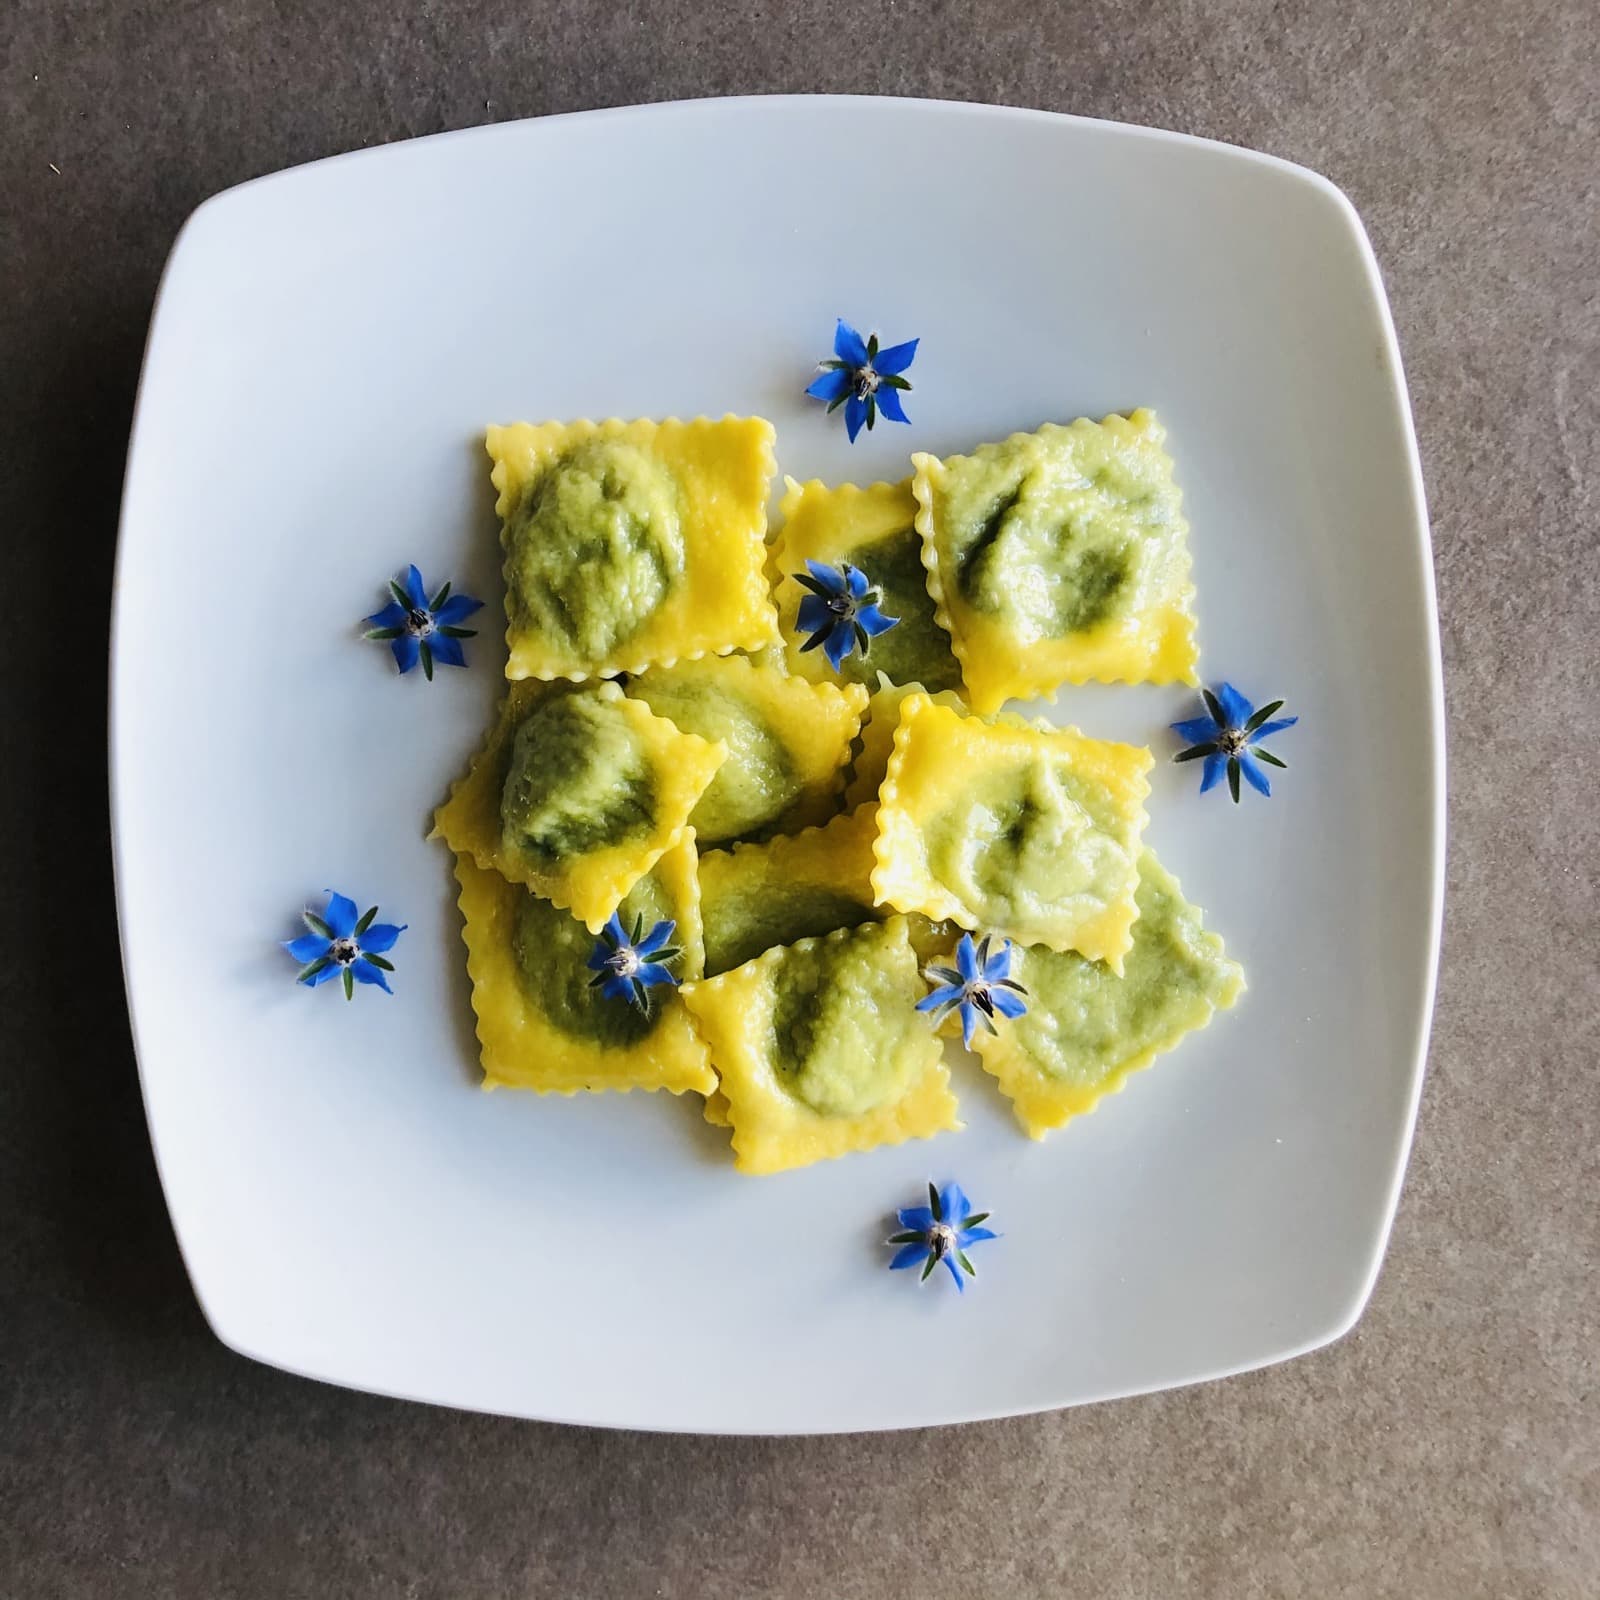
(327, 347)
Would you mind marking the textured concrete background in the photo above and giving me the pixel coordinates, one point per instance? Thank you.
(1449, 1447)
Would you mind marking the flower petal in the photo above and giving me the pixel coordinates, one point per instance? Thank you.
(456, 609)
(341, 915)
(656, 937)
(848, 345)
(1253, 775)
(1196, 730)
(919, 1217)
(1235, 704)
(448, 650)
(874, 621)
(856, 580)
(380, 937)
(1216, 767)
(998, 965)
(939, 997)
(897, 358)
(367, 973)
(651, 973)
(955, 1272)
(392, 616)
(1008, 1004)
(616, 987)
(308, 947)
(1267, 729)
(974, 1236)
(838, 644)
(855, 414)
(414, 588)
(831, 385)
(406, 650)
(813, 614)
(614, 931)
(967, 958)
(889, 404)
(831, 578)
(969, 1022)
(317, 979)
(909, 1255)
(957, 1208)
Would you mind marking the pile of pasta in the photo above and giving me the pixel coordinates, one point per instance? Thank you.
(669, 750)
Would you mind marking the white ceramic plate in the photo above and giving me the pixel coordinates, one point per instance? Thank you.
(326, 350)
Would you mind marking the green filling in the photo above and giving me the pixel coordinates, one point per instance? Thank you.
(916, 649)
(594, 548)
(552, 949)
(578, 780)
(1084, 1022)
(1026, 844)
(1051, 532)
(738, 927)
(840, 1016)
(756, 784)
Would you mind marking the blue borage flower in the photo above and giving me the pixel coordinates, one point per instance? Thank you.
(344, 946)
(1228, 739)
(942, 1230)
(863, 379)
(841, 611)
(979, 985)
(628, 968)
(419, 629)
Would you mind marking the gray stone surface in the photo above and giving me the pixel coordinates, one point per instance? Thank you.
(1449, 1447)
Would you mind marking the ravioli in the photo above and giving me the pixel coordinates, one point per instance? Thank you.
(632, 543)
(1013, 828)
(577, 793)
(794, 886)
(820, 1049)
(542, 1025)
(874, 529)
(1086, 1029)
(788, 740)
(1060, 556)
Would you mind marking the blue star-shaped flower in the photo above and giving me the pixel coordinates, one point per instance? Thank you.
(978, 986)
(942, 1230)
(863, 379)
(626, 969)
(341, 945)
(418, 629)
(1228, 739)
(841, 611)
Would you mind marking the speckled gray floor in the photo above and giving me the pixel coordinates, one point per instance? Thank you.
(1450, 1447)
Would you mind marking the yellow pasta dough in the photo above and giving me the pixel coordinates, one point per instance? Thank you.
(875, 743)
(788, 740)
(1086, 1029)
(632, 543)
(1013, 828)
(1060, 556)
(541, 1025)
(821, 1051)
(576, 794)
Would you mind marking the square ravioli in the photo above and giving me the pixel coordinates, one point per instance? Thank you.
(1086, 1029)
(632, 543)
(788, 740)
(1012, 827)
(796, 886)
(1060, 556)
(577, 793)
(874, 530)
(542, 1024)
(820, 1049)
